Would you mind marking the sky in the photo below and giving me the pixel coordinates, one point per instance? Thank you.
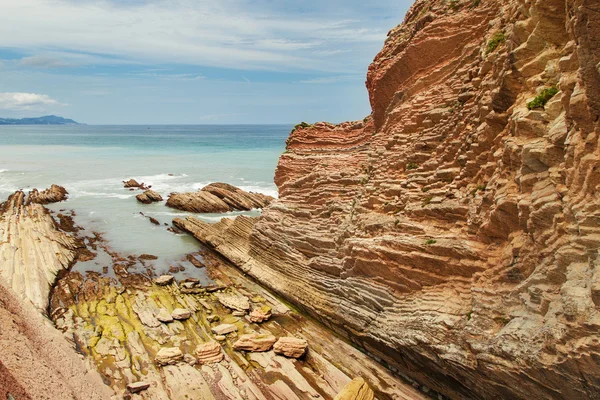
(191, 61)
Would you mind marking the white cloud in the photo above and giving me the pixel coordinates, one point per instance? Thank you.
(25, 101)
(227, 33)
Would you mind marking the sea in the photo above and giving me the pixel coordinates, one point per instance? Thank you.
(92, 162)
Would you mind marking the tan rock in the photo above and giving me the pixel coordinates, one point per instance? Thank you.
(290, 347)
(149, 196)
(181, 313)
(357, 389)
(164, 280)
(233, 301)
(164, 316)
(218, 198)
(223, 329)
(137, 387)
(254, 342)
(168, 356)
(209, 353)
(260, 314)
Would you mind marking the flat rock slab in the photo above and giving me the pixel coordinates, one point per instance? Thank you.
(255, 342)
(357, 389)
(234, 301)
(164, 280)
(209, 353)
(138, 386)
(290, 347)
(223, 329)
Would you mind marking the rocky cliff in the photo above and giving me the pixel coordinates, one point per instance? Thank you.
(454, 233)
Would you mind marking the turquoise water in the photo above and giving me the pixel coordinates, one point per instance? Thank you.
(92, 161)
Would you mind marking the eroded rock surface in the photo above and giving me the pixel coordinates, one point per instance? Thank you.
(148, 197)
(32, 250)
(53, 194)
(454, 233)
(218, 198)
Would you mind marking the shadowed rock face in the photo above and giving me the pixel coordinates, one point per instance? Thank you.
(453, 234)
(218, 198)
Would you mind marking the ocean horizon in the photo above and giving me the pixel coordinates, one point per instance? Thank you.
(92, 161)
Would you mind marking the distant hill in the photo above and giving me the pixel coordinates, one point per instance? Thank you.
(47, 120)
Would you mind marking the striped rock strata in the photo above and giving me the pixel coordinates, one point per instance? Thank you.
(32, 250)
(218, 198)
(453, 234)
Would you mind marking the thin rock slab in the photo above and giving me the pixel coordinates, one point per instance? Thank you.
(290, 347)
(254, 342)
(260, 314)
(164, 280)
(233, 301)
(223, 329)
(164, 316)
(137, 387)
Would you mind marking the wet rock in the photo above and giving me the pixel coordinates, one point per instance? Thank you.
(357, 389)
(154, 221)
(137, 387)
(133, 184)
(209, 353)
(181, 314)
(260, 314)
(255, 342)
(164, 316)
(147, 257)
(164, 280)
(223, 329)
(168, 356)
(216, 198)
(53, 194)
(148, 197)
(290, 347)
(234, 302)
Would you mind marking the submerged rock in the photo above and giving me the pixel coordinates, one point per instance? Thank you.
(290, 347)
(255, 342)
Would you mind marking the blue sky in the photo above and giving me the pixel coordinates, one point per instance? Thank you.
(190, 61)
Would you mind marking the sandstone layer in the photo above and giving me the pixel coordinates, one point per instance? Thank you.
(218, 198)
(454, 233)
(117, 325)
(32, 250)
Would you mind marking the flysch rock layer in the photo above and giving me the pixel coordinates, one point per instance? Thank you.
(36, 362)
(32, 249)
(51, 195)
(116, 326)
(218, 198)
(453, 234)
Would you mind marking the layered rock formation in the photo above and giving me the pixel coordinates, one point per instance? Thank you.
(453, 234)
(218, 198)
(32, 250)
(148, 197)
(119, 326)
(51, 195)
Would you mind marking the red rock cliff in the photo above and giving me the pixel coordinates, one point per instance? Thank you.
(454, 233)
